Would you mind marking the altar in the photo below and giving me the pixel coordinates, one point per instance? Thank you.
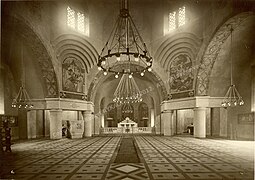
(127, 124)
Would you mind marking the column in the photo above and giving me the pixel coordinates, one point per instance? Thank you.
(31, 124)
(102, 119)
(168, 123)
(200, 122)
(162, 123)
(55, 124)
(92, 123)
(87, 116)
(152, 121)
(47, 123)
(97, 124)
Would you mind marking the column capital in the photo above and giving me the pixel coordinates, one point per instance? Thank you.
(199, 108)
(168, 111)
(55, 110)
(87, 112)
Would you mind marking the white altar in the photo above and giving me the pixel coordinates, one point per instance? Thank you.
(127, 123)
(127, 126)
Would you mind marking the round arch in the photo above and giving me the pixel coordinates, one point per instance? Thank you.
(212, 51)
(39, 48)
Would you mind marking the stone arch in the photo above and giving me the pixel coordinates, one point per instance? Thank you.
(111, 115)
(181, 43)
(75, 46)
(44, 59)
(155, 78)
(213, 49)
(143, 111)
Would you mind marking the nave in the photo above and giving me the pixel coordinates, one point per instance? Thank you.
(178, 157)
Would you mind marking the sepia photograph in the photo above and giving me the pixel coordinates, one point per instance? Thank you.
(127, 89)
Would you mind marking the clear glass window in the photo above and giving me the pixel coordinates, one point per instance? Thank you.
(78, 21)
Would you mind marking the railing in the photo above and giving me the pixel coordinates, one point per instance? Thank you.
(131, 130)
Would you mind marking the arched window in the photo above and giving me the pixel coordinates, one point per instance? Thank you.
(111, 115)
(143, 111)
(176, 19)
(77, 20)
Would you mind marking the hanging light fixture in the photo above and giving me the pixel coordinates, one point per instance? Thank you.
(127, 108)
(127, 91)
(232, 97)
(22, 100)
(124, 47)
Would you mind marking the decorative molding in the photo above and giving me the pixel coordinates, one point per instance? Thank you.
(63, 104)
(181, 43)
(75, 46)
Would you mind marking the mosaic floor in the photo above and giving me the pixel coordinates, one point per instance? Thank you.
(160, 158)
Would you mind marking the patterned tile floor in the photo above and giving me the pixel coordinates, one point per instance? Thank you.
(160, 158)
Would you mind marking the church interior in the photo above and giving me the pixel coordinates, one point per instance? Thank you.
(127, 89)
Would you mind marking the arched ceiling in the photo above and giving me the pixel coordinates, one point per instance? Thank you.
(180, 43)
(152, 77)
(213, 49)
(36, 46)
(71, 45)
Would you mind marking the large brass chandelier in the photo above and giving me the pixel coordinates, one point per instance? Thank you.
(127, 91)
(232, 97)
(124, 47)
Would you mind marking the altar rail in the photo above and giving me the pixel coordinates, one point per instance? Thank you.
(131, 130)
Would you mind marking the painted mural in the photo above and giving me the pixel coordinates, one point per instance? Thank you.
(181, 74)
(73, 73)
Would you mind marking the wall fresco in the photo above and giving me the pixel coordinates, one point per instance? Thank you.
(181, 74)
(73, 73)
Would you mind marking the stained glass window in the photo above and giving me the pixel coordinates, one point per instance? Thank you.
(181, 21)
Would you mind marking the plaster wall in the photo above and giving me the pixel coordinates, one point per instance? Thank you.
(242, 51)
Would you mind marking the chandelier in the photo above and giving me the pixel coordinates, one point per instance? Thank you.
(124, 47)
(22, 100)
(232, 97)
(127, 108)
(127, 91)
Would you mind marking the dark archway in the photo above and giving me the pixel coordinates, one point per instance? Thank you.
(111, 115)
(143, 111)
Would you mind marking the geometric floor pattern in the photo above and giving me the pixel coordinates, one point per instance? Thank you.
(162, 158)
